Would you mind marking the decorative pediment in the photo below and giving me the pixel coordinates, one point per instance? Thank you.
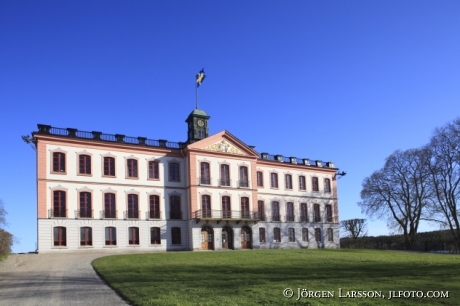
(224, 146)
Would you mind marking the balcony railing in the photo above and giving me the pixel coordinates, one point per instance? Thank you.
(57, 213)
(132, 214)
(225, 182)
(204, 181)
(243, 184)
(84, 213)
(303, 219)
(317, 218)
(226, 214)
(109, 214)
(154, 214)
(289, 218)
(276, 217)
(262, 216)
(175, 215)
(329, 219)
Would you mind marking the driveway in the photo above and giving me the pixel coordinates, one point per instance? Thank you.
(54, 279)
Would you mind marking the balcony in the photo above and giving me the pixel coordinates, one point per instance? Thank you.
(329, 219)
(204, 181)
(84, 213)
(276, 217)
(154, 214)
(173, 215)
(225, 182)
(316, 218)
(132, 214)
(303, 219)
(219, 215)
(109, 214)
(290, 218)
(57, 213)
(243, 184)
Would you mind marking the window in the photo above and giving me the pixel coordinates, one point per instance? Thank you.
(328, 213)
(84, 164)
(275, 211)
(330, 235)
(302, 185)
(154, 212)
(59, 204)
(174, 172)
(132, 167)
(316, 212)
(261, 206)
(133, 233)
(133, 206)
(174, 207)
(303, 212)
(318, 234)
(175, 235)
(244, 177)
(206, 206)
(86, 236)
(109, 166)
(289, 212)
(110, 206)
(305, 234)
(110, 236)
(262, 235)
(314, 184)
(224, 175)
(274, 180)
(276, 234)
(245, 208)
(60, 236)
(205, 177)
(291, 234)
(154, 171)
(155, 237)
(260, 179)
(85, 205)
(226, 207)
(58, 162)
(327, 185)
(288, 183)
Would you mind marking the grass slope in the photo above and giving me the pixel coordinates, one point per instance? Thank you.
(259, 277)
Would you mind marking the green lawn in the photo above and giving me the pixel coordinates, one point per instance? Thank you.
(4, 256)
(259, 277)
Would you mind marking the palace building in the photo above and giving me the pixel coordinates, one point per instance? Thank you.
(103, 192)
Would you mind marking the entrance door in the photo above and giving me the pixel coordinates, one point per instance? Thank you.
(246, 242)
(227, 238)
(207, 242)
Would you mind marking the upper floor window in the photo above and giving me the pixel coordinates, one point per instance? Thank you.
(59, 204)
(175, 207)
(261, 206)
(327, 185)
(291, 234)
(314, 184)
(174, 172)
(133, 206)
(110, 236)
(205, 175)
(155, 237)
(58, 162)
(303, 212)
(110, 206)
(154, 171)
(318, 234)
(84, 164)
(132, 167)
(262, 235)
(328, 213)
(86, 236)
(245, 207)
(226, 207)
(109, 166)
(175, 235)
(260, 179)
(289, 211)
(85, 210)
(206, 206)
(133, 233)
(330, 234)
(304, 234)
(154, 212)
(316, 213)
(302, 185)
(274, 180)
(224, 175)
(244, 177)
(277, 234)
(60, 236)
(288, 179)
(275, 211)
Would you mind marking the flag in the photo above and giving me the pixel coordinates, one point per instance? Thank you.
(200, 78)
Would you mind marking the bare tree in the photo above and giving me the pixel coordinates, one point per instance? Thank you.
(3, 213)
(6, 239)
(399, 192)
(354, 228)
(445, 177)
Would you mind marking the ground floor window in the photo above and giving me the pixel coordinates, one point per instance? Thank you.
(175, 235)
(262, 235)
(304, 234)
(318, 234)
(110, 236)
(60, 237)
(291, 234)
(133, 233)
(330, 234)
(155, 235)
(86, 236)
(277, 234)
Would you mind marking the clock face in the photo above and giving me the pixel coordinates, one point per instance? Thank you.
(200, 122)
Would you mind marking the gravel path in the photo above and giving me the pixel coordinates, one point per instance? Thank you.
(54, 279)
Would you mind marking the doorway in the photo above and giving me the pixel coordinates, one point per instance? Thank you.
(227, 238)
(246, 241)
(207, 238)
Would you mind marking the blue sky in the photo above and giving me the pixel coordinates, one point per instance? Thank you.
(342, 81)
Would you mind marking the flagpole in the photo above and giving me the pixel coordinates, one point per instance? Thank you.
(196, 94)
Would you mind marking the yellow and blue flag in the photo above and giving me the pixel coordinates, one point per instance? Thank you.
(200, 78)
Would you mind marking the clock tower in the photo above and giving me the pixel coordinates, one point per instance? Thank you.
(197, 123)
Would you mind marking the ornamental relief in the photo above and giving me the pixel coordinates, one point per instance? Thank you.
(224, 146)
